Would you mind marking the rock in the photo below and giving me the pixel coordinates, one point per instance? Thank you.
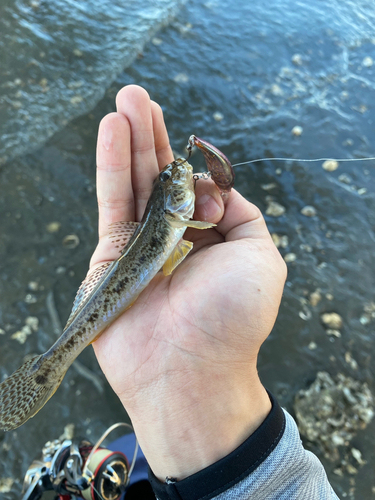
(351, 361)
(6, 484)
(280, 240)
(364, 320)
(217, 116)
(335, 333)
(53, 227)
(21, 335)
(330, 165)
(305, 314)
(331, 320)
(358, 456)
(77, 52)
(315, 298)
(76, 99)
(33, 286)
(68, 432)
(276, 90)
(70, 241)
(32, 322)
(297, 59)
(274, 209)
(344, 178)
(351, 469)
(31, 325)
(308, 211)
(268, 187)
(297, 130)
(181, 78)
(332, 410)
(30, 299)
(290, 257)
(367, 62)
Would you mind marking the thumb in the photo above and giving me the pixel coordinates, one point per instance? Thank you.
(242, 219)
(209, 205)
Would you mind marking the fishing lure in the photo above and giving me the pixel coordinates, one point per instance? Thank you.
(219, 167)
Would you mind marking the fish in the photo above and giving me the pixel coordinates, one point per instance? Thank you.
(153, 244)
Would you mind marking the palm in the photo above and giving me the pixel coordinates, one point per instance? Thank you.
(205, 306)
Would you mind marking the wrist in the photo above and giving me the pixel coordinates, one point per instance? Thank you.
(188, 429)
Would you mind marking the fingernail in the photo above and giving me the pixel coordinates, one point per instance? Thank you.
(208, 208)
(107, 138)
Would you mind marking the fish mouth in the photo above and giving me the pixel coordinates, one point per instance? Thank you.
(183, 173)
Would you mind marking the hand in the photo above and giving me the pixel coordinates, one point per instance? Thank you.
(183, 358)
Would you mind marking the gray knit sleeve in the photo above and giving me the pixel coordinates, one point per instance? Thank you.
(289, 472)
(271, 464)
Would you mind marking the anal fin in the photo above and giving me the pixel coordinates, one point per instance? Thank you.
(177, 256)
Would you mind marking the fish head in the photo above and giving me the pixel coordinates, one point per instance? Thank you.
(177, 183)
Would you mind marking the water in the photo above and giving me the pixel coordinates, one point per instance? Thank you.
(242, 77)
(57, 58)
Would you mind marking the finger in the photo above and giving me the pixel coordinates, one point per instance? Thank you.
(114, 189)
(209, 205)
(163, 149)
(242, 219)
(134, 103)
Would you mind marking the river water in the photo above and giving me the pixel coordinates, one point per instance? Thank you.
(242, 76)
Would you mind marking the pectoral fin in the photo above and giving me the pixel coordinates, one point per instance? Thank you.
(177, 256)
(197, 224)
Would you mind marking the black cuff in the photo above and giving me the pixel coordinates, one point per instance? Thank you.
(231, 469)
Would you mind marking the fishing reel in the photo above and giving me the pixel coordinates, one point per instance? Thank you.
(77, 468)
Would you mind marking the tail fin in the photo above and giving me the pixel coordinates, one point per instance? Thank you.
(25, 392)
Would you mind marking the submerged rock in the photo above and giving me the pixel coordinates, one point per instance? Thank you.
(308, 211)
(297, 130)
(274, 209)
(332, 320)
(330, 165)
(6, 484)
(315, 297)
(70, 241)
(330, 412)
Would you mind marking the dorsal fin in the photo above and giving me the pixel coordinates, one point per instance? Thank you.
(85, 290)
(121, 232)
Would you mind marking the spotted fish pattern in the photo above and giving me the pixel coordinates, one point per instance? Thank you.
(154, 243)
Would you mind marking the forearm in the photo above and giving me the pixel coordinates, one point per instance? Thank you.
(270, 465)
(189, 425)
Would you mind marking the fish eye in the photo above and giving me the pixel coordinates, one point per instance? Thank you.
(164, 176)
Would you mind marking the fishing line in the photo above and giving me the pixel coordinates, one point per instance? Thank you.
(303, 159)
(97, 492)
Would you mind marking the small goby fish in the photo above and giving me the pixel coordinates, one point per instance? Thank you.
(154, 243)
